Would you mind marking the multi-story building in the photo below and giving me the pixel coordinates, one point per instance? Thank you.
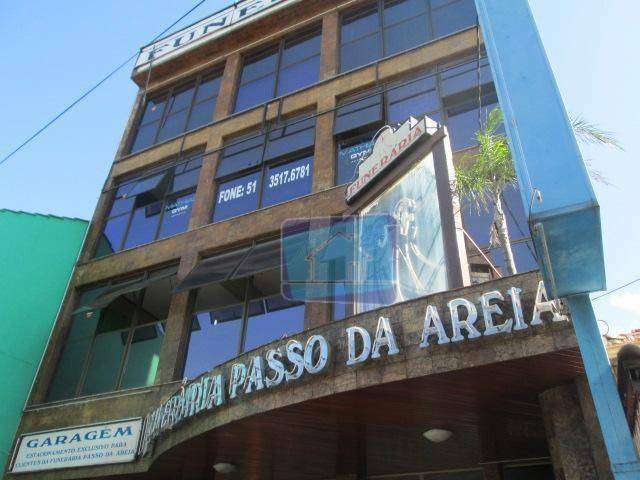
(178, 353)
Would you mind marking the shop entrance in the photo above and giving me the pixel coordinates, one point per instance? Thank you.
(493, 415)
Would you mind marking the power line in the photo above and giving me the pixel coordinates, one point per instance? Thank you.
(616, 289)
(97, 85)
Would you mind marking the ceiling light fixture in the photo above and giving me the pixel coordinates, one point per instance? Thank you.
(224, 467)
(437, 435)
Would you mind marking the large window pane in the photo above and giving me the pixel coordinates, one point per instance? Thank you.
(144, 355)
(114, 232)
(214, 339)
(453, 17)
(359, 24)
(259, 67)
(236, 197)
(360, 52)
(146, 136)
(153, 110)
(256, 92)
(173, 125)
(298, 75)
(287, 181)
(463, 121)
(300, 49)
(397, 10)
(144, 225)
(271, 319)
(108, 347)
(208, 88)
(180, 99)
(356, 114)
(176, 215)
(405, 35)
(202, 113)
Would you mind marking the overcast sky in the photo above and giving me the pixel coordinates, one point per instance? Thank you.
(55, 50)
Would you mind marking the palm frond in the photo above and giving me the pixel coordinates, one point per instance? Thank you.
(591, 134)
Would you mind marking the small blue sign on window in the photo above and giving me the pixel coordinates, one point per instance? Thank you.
(236, 197)
(349, 158)
(287, 181)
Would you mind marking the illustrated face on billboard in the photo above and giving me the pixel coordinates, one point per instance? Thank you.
(417, 256)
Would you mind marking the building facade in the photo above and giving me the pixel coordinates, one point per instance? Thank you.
(186, 347)
(30, 297)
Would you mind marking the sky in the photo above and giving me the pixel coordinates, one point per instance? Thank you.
(56, 50)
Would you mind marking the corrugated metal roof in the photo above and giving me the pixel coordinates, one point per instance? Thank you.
(42, 215)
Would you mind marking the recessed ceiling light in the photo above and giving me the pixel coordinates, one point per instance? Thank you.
(437, 435)
(224, 467)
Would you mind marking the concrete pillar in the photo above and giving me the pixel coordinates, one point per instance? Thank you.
(226, 95)
(177, 328)
(596, 440)
(205, 192)
(329, 48)
(567, 434)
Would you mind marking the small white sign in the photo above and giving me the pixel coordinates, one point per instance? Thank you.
(389, 145)
(115, 442)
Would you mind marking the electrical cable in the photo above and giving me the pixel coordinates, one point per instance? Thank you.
(96, 86)
(616, 289)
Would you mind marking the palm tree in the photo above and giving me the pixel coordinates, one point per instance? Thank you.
(481, 178)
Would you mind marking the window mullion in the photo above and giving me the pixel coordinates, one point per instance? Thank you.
(381, 44)
(164, 115)
(245, 315)
(196, 87)
(85, 368)
(276, 84)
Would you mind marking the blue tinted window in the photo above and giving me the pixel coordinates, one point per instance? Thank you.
(292, 65)
(175, 218)
(271, 319)
(144, 225)
(405, 35)
(355, 114)
(453, 17)
(398, 10)
(359, 24)
(114, 232)
(167, 116)
(360, 52)
(256, 92)
(140, 203)
(287, 181)
(214, 339)
(236, 197)
(299, 75)
(350, 155)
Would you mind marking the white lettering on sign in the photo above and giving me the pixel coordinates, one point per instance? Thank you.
(295, 359)
(114, 442)
(205, 30)
(237, 191)
(388, 147)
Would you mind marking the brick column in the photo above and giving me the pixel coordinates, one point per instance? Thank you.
(324, 156)
(226, 95)
(203, 204)
(567, 434)
(177, 327)
(329, 54)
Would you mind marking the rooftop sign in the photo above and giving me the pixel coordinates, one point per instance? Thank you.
(214, 26)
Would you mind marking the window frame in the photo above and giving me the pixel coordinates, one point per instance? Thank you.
(168, 95)
(247, 299)
(278, 49)
(166, 199)
(130, 329)
(438, 73)
(264, 164)
(382, 46)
